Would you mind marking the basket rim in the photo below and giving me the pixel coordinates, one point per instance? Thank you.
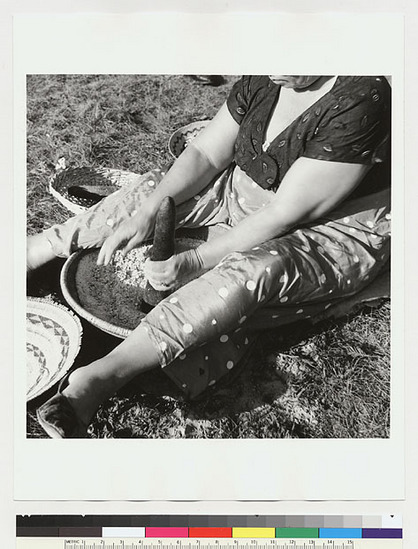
(80, 205)
(184, 128)
(46, 307)
(103, 325)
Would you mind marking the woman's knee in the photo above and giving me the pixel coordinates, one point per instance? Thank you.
(257, 271)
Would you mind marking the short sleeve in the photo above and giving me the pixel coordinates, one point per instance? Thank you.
(356, 125)
(239, 99)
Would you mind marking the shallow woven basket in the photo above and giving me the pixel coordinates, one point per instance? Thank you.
(53, 340)
(103, 181)
(182, 137)
(71, 294)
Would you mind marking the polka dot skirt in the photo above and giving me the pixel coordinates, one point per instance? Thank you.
(203, 330)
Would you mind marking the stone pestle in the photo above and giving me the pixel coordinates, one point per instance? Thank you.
(163, 247)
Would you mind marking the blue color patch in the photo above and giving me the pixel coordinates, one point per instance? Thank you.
(346, 533)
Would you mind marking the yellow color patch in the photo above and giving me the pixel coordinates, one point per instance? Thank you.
(253, 532)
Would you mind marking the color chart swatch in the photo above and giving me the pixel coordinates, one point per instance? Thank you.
(217, 527)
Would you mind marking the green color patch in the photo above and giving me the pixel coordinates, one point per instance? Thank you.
(292, 533)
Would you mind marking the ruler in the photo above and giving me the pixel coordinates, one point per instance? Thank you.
(155, 543)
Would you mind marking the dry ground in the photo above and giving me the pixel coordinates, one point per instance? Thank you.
(328, 380)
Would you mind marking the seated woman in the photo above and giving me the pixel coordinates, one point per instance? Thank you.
(297, 168)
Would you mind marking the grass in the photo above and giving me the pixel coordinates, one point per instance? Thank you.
(330, 380)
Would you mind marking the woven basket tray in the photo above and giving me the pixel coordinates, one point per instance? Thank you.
(80, 188)
(128, 300)
(182, 137)
(70, 293)
(53, 340)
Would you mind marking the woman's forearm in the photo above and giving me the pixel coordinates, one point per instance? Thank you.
(310, 189)
(204, 158)
(190, 173)
(255, 229)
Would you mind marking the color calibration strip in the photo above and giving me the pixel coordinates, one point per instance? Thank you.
(211, 521)
(181, 527)
(254, 533)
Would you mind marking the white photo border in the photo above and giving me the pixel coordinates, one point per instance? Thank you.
(228, 43)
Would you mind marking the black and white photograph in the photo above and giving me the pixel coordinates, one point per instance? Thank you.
(208, 256)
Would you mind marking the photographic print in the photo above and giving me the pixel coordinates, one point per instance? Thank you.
(275, 322)
(212, 281)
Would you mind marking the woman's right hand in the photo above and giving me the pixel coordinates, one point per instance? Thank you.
(127, 236)
(210, 153)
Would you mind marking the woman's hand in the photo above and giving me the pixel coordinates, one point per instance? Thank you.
(127, 236)
(166, 275)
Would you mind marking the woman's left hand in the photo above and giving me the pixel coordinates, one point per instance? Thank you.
(166, 275)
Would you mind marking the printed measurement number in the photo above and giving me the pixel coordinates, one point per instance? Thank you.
(151, 543)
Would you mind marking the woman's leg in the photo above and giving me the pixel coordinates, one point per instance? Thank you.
(38, 251)
(91, 385)
(91, 228)
(212, 319)
(201, 331)
(206, 325)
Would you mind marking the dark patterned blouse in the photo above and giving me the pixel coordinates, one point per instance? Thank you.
(350, 123)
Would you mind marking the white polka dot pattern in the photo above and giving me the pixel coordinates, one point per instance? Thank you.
(223, 292)
(187, 328)
(251, 285)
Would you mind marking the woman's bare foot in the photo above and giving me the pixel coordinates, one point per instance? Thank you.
(96, 382)
(85, 393)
